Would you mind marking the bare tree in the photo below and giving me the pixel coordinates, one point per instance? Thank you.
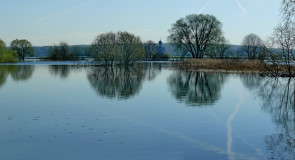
(62, 52)
(123, 47)
(194, 33)
(288, 10)
(219, 50)
(252, 46)
(104, 48)
(284, 38)
(130, 48)
(150, 48)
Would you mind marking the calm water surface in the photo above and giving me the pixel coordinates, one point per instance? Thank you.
(146, 112)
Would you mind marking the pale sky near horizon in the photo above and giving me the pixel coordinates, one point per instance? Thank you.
(47, 22)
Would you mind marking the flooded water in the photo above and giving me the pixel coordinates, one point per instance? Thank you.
(146, 112)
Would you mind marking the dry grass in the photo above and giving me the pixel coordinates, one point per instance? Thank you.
(234, 65)
(221, 64)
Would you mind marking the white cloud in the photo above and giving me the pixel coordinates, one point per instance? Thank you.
(65, 12)
(230, 153)
(73, 38)
(204, 7)
(244, 11)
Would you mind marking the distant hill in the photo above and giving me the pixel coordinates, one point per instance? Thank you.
(41, 51)
(234, 49)
(44, 50)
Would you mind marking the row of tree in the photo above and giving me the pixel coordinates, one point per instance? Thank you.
(107, 48)
(18, 50)
(152, 52)
(6, 55)
(197, 34)
(201, 36)
(123, 48)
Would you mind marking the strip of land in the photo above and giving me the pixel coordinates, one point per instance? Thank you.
(235, 65)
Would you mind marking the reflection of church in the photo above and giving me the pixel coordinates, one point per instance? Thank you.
(161, 50)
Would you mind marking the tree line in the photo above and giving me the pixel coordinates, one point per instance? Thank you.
(199, 35)
(107, 49)
(18, 50)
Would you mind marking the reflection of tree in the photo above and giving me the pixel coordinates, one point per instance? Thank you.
(196, 88)
(18, 73)
(62, 71)
(251, 81)
(152, 70)
(22, 73)
(4, 72)
(278, 100)
(122, 82)
(3, 77)
(116, 82)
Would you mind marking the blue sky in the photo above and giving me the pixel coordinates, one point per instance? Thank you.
(47, 22)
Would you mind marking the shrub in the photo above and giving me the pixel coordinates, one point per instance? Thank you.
(6, 55)
(120, 48)
(9, 56)
(165, 56)
(61, 52)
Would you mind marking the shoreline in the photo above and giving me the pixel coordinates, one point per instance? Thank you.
(234, 66)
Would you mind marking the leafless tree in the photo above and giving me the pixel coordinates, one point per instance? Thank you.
(130, 48)
(61, 52)
(150, 48)
(122, 47)
(219, 50)
(284, 38)
(252, 46)
(288, 10)
(269, 50)
(194, 33)
(104, 48)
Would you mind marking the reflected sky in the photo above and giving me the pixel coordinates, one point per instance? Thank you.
(278, 99)
(143, 112)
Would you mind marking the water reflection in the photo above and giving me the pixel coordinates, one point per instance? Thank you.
(18, 73)
(22, 73)
(196, 88)
(121, 82)
(63, 71)
(152, 70)
(278, 100)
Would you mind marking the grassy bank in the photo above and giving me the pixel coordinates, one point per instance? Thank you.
(220, 64)
(232, 65)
